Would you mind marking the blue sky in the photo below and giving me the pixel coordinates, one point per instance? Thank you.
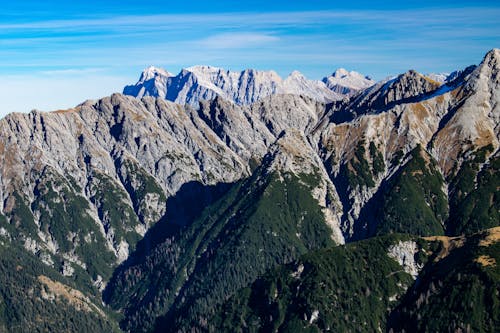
(56, 54)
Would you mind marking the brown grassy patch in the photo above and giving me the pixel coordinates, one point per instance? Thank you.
(448, 244)
(419, 110)
(492, 237)
(73, 296)
(486, 261)
(484, 135)
(457, 93)
(136, 117)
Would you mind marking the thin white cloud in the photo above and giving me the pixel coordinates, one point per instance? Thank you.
(71, 71)
(409, 17)
(236, 40)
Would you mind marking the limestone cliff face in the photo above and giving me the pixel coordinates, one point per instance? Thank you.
(473, 120)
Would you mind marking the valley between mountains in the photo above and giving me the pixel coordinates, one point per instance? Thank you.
(214, 201)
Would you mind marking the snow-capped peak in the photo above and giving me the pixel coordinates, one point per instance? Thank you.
(344, 82)
(342, 72)
(152, 72)
(438, 77)
(296, 74)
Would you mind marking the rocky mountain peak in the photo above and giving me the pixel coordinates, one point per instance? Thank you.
(297, 84)
(411, 84)
(439, 77)
(151, 83)
(340, 73)
(492, 58)
(203, 69)
(485, 78)
(414, 78)
(407, 87)
(474, 124)
(344, 82)
(489, 69)
(296, 74)
(152, 72)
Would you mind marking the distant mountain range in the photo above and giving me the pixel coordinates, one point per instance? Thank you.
(240, 201)
(205, 82)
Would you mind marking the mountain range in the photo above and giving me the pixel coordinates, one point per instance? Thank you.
(198, 83)
(239, 201)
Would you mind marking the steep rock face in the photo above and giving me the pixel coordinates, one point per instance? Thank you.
(281, 112)
(473, 122)
(243, 131)
(249, 130)
(360, 154)
(56, 164)
(198, 83)
(241, 87)
(404, 253)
